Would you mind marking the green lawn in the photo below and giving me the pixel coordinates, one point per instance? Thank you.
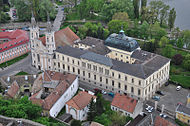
(22, 73)
(10, 62)
(183, 80)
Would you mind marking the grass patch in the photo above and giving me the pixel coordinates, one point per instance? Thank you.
(73, 16)
(183, 80)
(10, 62)
(62, 111)
(180, 123)
(22, 73)
(49, 121)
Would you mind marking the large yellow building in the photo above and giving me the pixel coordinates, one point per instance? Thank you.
(116, 64)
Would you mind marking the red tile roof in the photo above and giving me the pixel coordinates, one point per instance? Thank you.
(63, 37)
(124, 102)
(81, 100)
(13, 90)
(162, 122)
(17, 37)
(51, 99)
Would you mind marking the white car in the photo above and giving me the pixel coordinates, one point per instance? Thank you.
(178, 88)
(163, 116)
(149, 109)
(104, 92)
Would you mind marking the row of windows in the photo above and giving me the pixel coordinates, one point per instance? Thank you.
(122, 56)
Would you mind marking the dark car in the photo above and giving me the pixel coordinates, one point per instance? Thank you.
(96, 90)
(160, 93)
(167, 83)
(111, 94)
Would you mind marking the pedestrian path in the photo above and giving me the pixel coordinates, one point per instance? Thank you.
(58, 19)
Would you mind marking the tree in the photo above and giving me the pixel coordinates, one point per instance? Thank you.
(118, 119)
(122, 16)
(167, 51)
(76, 123)
(91, 112)
(171, 19)
(186, 62)
(177, 59)
(136, 8)
(180, 43)
(164, 14)
(156, 31)
(163, 41)
(143, 6)
(103, 119)
(186, 38)
(99, 105)
(115, 26)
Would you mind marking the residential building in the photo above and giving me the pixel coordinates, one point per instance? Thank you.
(13, 44)
(183, 114)
(42, 49)
(107, 65)
(57, 89)
(126, 105)
(13, 91)
(78, 105)
(162, 122)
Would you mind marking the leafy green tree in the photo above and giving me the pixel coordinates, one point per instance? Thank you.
(180, 43)
(156, 31)
(163, 41)
(177, 59)
(186, 38)
(136, 8)
(118, 119)
(103, 119)
(143, 30)
(186, 62)
(99, 105)
(167, 51)
(76, 123)
(91, 112)
(115, 26)
(171, 19)
(164, 14)
(122, 16)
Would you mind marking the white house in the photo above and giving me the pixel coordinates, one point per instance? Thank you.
(78, 106)
(126, 105)
(58, 88)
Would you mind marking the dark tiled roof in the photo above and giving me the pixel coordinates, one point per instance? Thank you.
(122, 42)
(90, 41)
(96, 45)
(183, 109)
(68, 50)
(97, 58)
(142, 55)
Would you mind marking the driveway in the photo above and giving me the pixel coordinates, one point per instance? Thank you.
(172, 97)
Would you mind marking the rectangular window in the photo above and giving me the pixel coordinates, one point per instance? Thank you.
(125, 87)
(58, 65)
(100, 69)
(89, 75)
(94, 68)
(106, 72)
(106, 81)
(94, 77)
(112, 74)
(132, 80)
(89, 66)
(68, 59)
(78, 71)
(68, 68)
(125, 78)
(73, 69)
(139, 82)
(119, 76)
(119, 85)
(73, 61)
(132, 89)
(63, 58)
(100, 79)
(83, 73)
(113, 83)
(139, 92)
(63, 66)
(83, 64)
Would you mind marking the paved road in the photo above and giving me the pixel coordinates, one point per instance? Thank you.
(23, 65)
(58, 20)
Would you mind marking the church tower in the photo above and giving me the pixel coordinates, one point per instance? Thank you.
(50, 39)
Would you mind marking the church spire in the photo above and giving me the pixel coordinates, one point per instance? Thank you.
(49, 26)
(33, 21)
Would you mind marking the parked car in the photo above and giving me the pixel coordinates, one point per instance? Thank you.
(104, 92)
(178, 88)
(111, 94)
(163, 116)
(156, 98)
(160, 93)
(96, 90)
(167, 83)
(149, 108)
(179, 103)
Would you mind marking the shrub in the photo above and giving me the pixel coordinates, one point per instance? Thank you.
(177, 59)
(76, 123)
